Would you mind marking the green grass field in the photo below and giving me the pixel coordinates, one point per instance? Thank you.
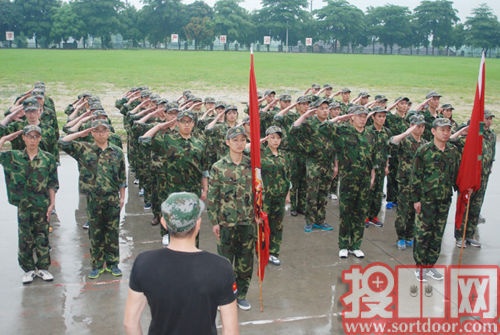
(225, 74)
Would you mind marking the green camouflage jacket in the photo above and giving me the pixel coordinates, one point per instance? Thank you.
(274, 173)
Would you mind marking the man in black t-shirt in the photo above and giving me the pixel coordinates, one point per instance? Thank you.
(182, 284)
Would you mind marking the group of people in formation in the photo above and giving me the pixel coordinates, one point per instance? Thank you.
(321, 144)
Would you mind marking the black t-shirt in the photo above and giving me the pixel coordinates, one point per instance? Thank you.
(183, 289)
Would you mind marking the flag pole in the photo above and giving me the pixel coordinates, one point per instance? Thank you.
(465, 229)
(261, 297)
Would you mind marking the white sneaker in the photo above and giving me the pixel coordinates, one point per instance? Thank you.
(358, 253)
(343, 253)
(434, 274)
(274, 260)
(45, 275)
(28, 277)
(165, 240)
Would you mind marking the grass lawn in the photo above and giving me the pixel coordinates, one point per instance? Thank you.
(224, 75)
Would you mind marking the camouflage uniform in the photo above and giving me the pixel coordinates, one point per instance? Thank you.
(356, 156)
(28, 183)
(184, 164)
(103, 176)
(319, 168)
(216, 147)
(276, 186)
(296, 162)
(380, 140)
(397, 125)
(477, 198)
(433, 177)
(230, 205)
(405, 217)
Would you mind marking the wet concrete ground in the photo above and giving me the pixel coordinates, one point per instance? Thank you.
(300, 297)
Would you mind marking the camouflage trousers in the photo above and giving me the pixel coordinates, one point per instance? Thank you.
(476, 202)
(33, 237)
(392, 184)
(318, 181)
(237, 244)
(334, 185)
(274, 206)
(298, 181)
(429, 229)
(405, 216)
(104, 218)
(376, 194)
(353, 208)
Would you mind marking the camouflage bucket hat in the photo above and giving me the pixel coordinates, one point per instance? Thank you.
(235, 131)
(31, 104)
(30, 128)
(441, 122)
(186, 113)
(181, 211)
(274, 130)
(98, 123)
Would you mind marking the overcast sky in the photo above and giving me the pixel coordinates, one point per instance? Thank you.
(464, 7)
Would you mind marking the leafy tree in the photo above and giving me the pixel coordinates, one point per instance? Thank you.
(37, 19)
(280, 17)
(390, 23)
(483, 28)
(200, 30)
(162, 18)
(234, 21)
(131, 27)
(66, 23)
(457, 36)
(339, 22)
(435, 20)
(101, 18)
(9, 18)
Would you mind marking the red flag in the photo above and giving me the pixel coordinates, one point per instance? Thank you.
(263, 231)
(469, 174)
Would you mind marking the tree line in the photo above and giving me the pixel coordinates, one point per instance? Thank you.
(338, 26)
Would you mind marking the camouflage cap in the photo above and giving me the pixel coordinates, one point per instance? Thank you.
(417, 119)
(145, 93)
(235, 131)
(322, 101)
(432, 94)
(231, 108)
(380, 97)
(209, 100)
(185, 113)
(345, 90)
(364, 95)
(303, 99)
(316, 86)
(441, 122)
(285, 97)
(38, 93)
(220, 104)
(186, 92)
(99, 123)
(181, 211)
(172, 107)
(246, 120)
(401, 99)
(84, 95)
(379, 110)
(327, 86)
(195, 99)
(268, 92)
(357, 110)
(488, 114)
(31, 104)
(334, 105)
(447, 106)
(99, 112)
(31, 127)
(162, 101)
(40, 85)
(95, 105)
(274, 130)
